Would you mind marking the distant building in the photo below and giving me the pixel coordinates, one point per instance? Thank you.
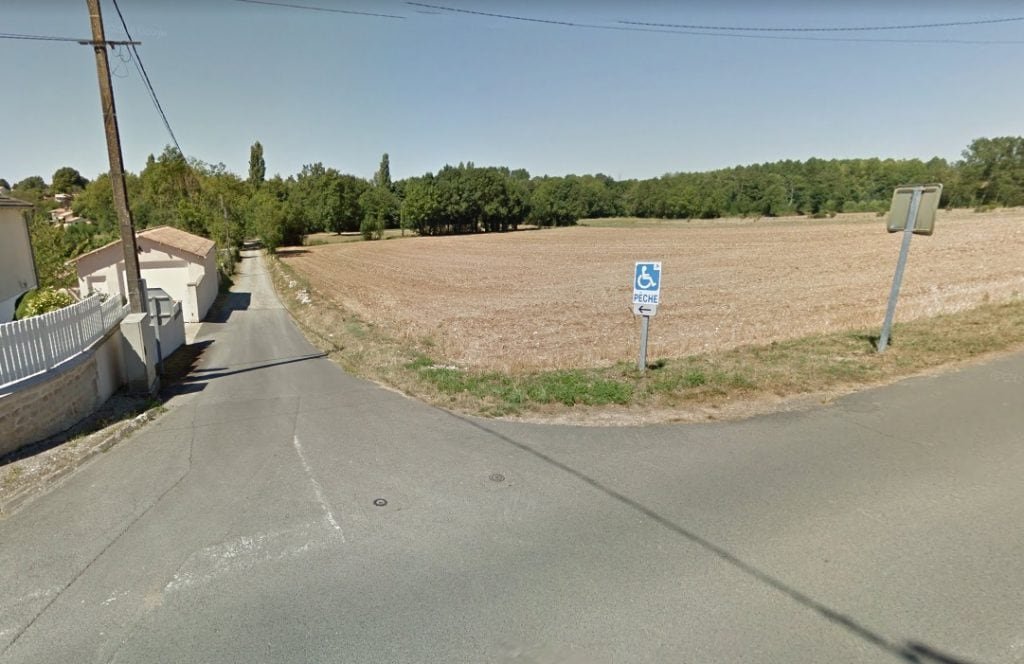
(17, 264)
(181, 264)
(63, 214)
(66, 217)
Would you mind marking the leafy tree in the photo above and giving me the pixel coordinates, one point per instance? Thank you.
(168, 188)
(383, 176)
(224, 203)
(96, 201)
(50, 254)
(421, 205)
(464, 199)
(379, 206)
(351, 191)
(31, 182)
(329, 200)
(44, 300)
(67, 179)
(372, 228)
(555, 203)
(317, 192)
(81, 238)
(257, 166)
(993, 171)
(277, 222)
(4, 184)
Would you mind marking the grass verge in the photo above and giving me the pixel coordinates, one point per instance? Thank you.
(704, 383)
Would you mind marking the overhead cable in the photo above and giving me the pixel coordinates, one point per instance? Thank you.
(697, 33)
(317, 9)
(14, 35)
(137, 59)
(859, 28)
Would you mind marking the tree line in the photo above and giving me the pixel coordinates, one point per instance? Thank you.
(209, 200)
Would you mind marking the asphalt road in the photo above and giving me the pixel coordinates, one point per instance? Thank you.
(242, 527)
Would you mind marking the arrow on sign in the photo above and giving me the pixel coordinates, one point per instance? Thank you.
(644, 310)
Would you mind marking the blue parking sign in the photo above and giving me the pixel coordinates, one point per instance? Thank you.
(646, 288)
(647, 277)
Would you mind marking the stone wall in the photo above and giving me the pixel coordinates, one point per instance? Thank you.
(48, 404)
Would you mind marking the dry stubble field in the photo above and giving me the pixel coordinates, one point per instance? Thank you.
(560, 298)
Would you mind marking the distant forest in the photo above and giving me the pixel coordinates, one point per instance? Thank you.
(210, 200)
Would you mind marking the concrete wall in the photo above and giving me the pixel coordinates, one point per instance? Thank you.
(17, 271)
(52, 402)
(172, 327)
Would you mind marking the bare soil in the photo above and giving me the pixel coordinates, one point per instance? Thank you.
(561, 298)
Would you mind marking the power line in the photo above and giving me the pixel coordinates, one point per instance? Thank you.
(145, 79)
(77, 40)
(696, 33)
(317, 9)
(13, 35)
(919, 26)
(509, 17)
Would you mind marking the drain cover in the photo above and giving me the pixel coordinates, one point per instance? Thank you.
(380, 502)
(497, 477)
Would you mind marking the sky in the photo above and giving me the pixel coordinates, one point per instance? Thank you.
(440, 87)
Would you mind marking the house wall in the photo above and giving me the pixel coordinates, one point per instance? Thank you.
(98, 272)
(165, 270)
(59, 399)
(104, 271)
(17, 271)
(208, 286)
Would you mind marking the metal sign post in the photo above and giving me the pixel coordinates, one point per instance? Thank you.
(644, 325)
(920, 203)
(646, 296)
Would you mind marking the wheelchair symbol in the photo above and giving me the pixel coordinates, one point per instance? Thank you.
(645, 280)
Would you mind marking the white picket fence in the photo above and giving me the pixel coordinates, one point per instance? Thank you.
(40, 343)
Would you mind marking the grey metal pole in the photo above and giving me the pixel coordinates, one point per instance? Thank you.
(897, 279)
(156, 327)
(642, 362)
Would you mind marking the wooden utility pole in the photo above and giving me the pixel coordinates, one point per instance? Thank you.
(136, 296)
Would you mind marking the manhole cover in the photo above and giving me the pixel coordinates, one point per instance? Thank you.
(380, 502)
(497, 477)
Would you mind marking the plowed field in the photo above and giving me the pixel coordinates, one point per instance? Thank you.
(561, 298)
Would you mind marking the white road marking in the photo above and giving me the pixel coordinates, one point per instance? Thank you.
(114, 597)
(317, 488)
(242, 553)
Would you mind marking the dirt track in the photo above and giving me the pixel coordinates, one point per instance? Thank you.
(560, 298)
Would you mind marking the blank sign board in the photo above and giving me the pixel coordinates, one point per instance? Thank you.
(925, 221)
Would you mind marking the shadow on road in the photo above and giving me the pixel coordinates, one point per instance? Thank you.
(227, 304)
(909, 651)
(198, 379)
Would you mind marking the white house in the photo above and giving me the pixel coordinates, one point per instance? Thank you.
(17, 265)
(182, 264)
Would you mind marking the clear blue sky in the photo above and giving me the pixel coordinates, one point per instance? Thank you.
(436, 88)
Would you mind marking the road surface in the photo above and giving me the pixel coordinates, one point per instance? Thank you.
(283, 511)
